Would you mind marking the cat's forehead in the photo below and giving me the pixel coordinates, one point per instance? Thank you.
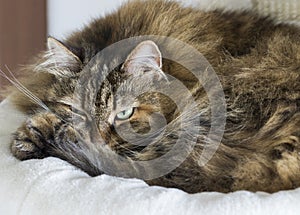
(126, 93)
(124, 87)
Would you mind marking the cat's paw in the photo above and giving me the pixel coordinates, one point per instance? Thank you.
(23, 145)
(34, 136)
(24, 150)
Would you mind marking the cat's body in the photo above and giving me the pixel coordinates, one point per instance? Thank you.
(257, 62)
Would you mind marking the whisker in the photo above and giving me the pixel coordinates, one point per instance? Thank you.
(22, 88)
(27, 92)
(16, 85)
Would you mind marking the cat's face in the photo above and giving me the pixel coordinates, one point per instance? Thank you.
(128, 110)
(134, 113)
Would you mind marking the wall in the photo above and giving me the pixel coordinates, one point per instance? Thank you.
(65, 16)
(22, 33)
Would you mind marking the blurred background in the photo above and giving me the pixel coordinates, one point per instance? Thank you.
(25, 25)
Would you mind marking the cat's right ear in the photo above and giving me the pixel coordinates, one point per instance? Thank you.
(146, 54)
(59, 58)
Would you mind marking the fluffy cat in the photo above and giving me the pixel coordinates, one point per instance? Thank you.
(256, 60)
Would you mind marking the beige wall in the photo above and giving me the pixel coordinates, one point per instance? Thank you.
(22, 32)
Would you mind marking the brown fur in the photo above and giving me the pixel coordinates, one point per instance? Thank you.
(257, 62)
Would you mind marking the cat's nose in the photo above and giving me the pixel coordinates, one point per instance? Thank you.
(105, 131)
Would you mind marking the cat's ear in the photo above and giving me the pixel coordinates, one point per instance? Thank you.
(60, 56)
(145, 55)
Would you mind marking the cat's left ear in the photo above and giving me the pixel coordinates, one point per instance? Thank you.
(61, 56)
(145, 55)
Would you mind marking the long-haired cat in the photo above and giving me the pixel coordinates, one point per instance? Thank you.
(258, 65)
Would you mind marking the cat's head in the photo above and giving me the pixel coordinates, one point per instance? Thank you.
(128, 107)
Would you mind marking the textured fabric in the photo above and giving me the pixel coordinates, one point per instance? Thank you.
(220, 4)
(52, 186)
(282, 10)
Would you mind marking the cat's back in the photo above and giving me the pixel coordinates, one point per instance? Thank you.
(216, 34)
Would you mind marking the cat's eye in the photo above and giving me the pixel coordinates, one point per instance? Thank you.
(125, 114)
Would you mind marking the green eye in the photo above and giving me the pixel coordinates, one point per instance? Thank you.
(125, 114)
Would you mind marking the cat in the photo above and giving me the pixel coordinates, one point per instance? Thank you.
(256, 60)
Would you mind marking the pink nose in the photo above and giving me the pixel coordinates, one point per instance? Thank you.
(103, 136)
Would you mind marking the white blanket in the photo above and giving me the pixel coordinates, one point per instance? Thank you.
(52, 186)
